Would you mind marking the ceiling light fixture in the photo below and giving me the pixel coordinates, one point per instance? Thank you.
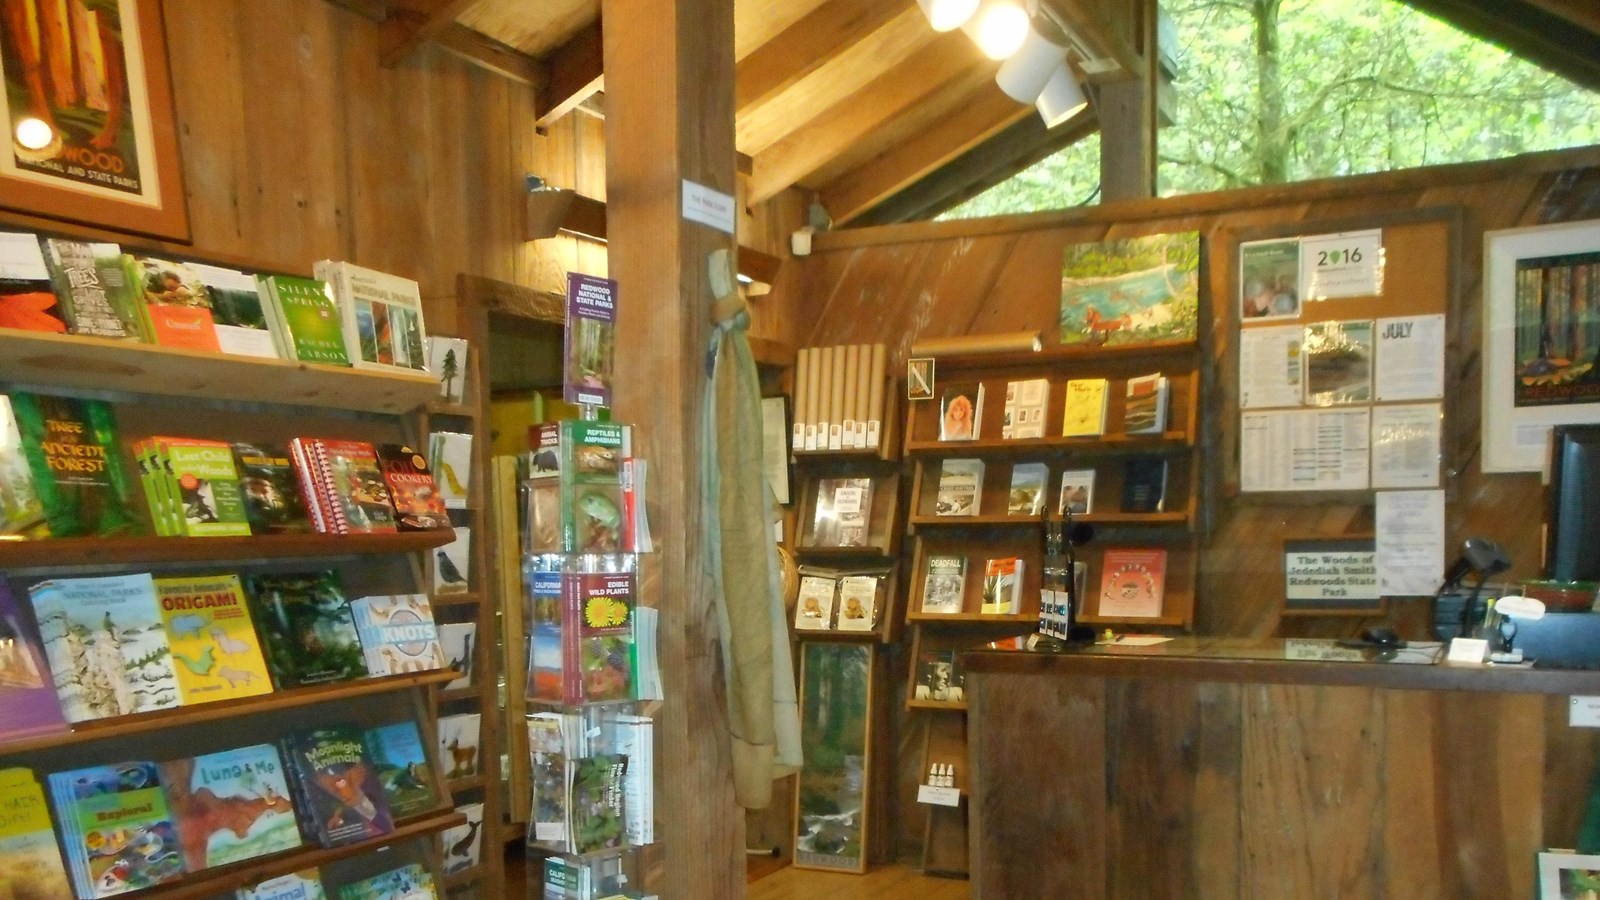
(1061, 98)
(948, 15)
(1001, 28)
(1025, 74)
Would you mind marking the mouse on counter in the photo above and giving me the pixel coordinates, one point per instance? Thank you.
(1382, 636)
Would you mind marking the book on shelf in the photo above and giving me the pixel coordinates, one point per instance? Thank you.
(1146, 410)
(461, 845)
(550, 745)
(21, 513)
(401, 762)
(1026, 402)
(847, 415)
(590, 345)
(230, 806)
(1077, 492)
(71, 447)
(411, 881)
(174, 307)
(30, 863)
(108, 652)
(598, 634)
(103, 813)
(961, 413)
(214, 647)
(633, 737)
(459, 739)
(576, 502)
(1084, 410)
(202, 479)
(381, 315)
(858, 602)
(238, 314)
(335, 785)
(944, 584)
(306, 318)
(813, 609)
(27, 693)
(450, 459)
(271, 489)
(456, 640)
(876, 369)
(452, 564)
(305, 884)
(418, 505)
(960, 487)
(1002, 587)
(1132, 582)
(447, 360)
(1144, 484)
(28, 299)
(1028, 481)
(398, 634)
(305, 627)
(343, 486)
(597, 792)
(93, 288)
(844, 510)
(938, 678)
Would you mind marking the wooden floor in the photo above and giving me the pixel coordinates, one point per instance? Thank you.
(891, 882)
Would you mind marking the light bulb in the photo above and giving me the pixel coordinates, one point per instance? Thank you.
(34, 134)
(1001, 30)
(948, 15)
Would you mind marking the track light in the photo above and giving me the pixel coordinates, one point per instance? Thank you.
(1025, 74)
(1001, 28)
(1061, 98)
(948, 15)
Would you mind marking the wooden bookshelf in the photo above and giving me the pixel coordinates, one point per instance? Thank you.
(1007, 521)
(56, 553)
(1106, 444)
(52, 362)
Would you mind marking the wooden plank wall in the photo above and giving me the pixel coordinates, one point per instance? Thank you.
(900, 283)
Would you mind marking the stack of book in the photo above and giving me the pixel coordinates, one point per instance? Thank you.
(582, 641)
(839, 398)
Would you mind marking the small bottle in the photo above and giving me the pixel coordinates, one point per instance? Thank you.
(933, 775)
(950, 775)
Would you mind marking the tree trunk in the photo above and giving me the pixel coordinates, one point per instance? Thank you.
(1272, 139)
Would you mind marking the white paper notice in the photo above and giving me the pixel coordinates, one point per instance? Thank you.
(1348, 264)
(1405, 445)
(1341, 442)
(1410, 539)
(21, 258)
(708, 206)
(1411, 358)
(1304, 450)
(1264, 452)
(1269, 366)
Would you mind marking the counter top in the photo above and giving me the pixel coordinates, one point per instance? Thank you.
(1277, 661)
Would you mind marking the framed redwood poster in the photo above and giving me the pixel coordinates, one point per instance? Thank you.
(88, 115)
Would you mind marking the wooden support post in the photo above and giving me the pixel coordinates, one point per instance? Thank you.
(669, 117)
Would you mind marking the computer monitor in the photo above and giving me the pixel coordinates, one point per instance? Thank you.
(1572, 516)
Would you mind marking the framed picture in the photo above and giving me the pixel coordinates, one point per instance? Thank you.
(919, 378)
(1541, 339)
(1564, 875)
(831, 792)
(90, 132)
(1131, 290)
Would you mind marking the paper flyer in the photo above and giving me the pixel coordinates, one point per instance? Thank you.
(1410, 542)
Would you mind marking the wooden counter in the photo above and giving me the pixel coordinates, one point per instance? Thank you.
(1217, 768)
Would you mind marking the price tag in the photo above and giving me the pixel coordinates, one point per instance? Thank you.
(1468, 650)
(1348, 264)
(938, 796)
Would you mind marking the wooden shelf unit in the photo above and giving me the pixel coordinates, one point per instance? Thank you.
(882, 549)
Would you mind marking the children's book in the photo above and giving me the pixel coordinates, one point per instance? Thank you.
(409, 882)
(398, 634)
(403, 770)
(336, 787)
(271, 490)
(447, 360)
(450, 459)
(21, 514)
(1026, 497)
(458, 744)
(1132, 582)
(1084, 412)
(71, 447)
(214, 647)
(237, 312)
(1077, 492)
(305, 884)
(418, 505)
(944, 584)
(28, 300)
(174, 305)
(813, 610)
(844, 508)
(961, 413)
(960, 487)
(1002, 587)
(206, 484)
(452, 564)
(597, 791)
(591, 341)
(1025, 406)
(462, 845)
(456, 640)
(307, 318)
(30, 864)
(93, 287)
(230, 806)
(858, 602)
(108, 651)
(305, 627)
(118, 833)
(27, 693)
(382, 316)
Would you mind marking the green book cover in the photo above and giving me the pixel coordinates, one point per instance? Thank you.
(207, 486)
(71, 447)
(310, 318)
(21, 515)
(591, 486)
(94, 283)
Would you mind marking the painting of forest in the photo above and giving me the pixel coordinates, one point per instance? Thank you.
(1131, 291)
(834, 700)
(1557, 330)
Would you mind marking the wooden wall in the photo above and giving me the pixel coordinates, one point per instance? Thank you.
(899, 283)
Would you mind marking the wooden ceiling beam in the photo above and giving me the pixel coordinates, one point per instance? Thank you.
(1583, 13)
(1526, 30)
(373, 10)
(574, 72)
(805, 46)
(488, 53)
(854, 118)
(413, 23)
(1102, 31)
(905, 164)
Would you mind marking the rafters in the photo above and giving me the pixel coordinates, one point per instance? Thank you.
(1527, 29)
(574, 72)
(413, 23)
(805, 46)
